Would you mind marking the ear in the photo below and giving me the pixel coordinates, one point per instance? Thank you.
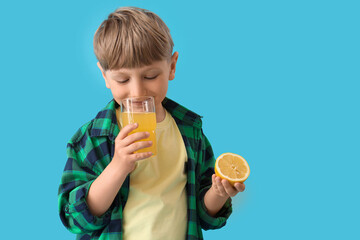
(173, 62)
(104, 75)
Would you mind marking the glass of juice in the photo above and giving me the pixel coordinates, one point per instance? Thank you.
(140, 110)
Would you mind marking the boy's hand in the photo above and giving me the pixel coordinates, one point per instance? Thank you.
(219, 192)
(223, 188)
(126, 145)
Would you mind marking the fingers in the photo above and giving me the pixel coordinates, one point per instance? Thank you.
(240, 187)
(132, 142)
(140, 156)
(126, 131)
(218, 186)
(137, 146)
(230, 190)
(224, 188)
(127, 144)
(133, 138)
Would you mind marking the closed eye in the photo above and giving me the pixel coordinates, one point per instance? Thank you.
(123, 81)
(151, 77)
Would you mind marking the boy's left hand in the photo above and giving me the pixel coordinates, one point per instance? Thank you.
(219, 192)
(223, 188)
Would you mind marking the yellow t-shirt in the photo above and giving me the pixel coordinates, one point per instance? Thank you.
(157, 204)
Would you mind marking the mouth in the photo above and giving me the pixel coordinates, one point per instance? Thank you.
(137, 103)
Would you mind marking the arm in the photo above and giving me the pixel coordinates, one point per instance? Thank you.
(76, 179)
(212, 211)
(104, 189)
(215, 194)
(82, 189)
(219, 193)
(214, 202)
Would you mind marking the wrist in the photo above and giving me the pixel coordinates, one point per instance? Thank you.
(216, 195)
(214, 202)
(119, 169)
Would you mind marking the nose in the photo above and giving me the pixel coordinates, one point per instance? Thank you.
(137, 88)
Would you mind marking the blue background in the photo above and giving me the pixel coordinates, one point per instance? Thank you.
(276, 81)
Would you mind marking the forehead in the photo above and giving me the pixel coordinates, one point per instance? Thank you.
(156, 66)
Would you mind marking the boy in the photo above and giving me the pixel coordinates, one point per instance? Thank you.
(109, 192)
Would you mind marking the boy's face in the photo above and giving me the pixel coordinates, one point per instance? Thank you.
(151, 80)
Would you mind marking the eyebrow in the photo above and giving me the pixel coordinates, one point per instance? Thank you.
(125, 72)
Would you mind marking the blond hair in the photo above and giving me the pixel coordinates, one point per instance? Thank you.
(132, 37)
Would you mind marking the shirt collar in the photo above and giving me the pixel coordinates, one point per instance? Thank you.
(181, 113)
(105, 122)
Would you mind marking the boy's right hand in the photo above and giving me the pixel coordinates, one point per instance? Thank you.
(126, 145)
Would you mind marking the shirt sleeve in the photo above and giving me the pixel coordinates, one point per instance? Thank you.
(207, 162)
(76, 180)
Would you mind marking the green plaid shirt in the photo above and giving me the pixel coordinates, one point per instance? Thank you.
(91, 149)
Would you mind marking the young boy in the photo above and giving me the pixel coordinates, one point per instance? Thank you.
(109, 192)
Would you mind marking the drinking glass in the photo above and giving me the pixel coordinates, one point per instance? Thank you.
(140, 110)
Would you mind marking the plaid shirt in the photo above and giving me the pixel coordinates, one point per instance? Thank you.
(91, 149)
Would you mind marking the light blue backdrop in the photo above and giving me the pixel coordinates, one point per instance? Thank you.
(276, 81)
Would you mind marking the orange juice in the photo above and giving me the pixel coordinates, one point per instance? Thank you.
(146, 123)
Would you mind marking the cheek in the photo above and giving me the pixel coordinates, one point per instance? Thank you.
(162, 87)
(118, 93)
